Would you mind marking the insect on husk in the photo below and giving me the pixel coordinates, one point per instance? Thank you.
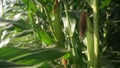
(83, 25)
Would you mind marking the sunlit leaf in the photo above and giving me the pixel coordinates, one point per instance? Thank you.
(66, 56)
(43, 65)
(9, 27)
(21, 24)
(4, 22)
(46, 38)
(31, 57)
(69, 28)
(4, 42)
(24, 33)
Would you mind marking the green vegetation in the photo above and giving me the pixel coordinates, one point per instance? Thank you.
(60, 33)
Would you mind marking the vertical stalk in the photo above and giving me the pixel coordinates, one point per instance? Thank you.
(2, 8)
(73, 49)
(73, 52)
(67, 16)
(90, 43)
(96, 34)
(66, 12)
(0, 34)
(50, 22)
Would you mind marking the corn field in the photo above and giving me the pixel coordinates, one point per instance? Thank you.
(59, 33)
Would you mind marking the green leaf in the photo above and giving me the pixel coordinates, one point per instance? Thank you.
(9, 27)
(7, 53)
(30, 57)
(5, 64)
(4, 22)
(8, 10)
(21, 24)
(4, 42)
(57, 24)
(66, 56)
(46, 38)
(41, 2)
(24, 33)
(43, 65)
(104, 4)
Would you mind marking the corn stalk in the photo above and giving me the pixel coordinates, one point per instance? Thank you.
(96, 34)
(90, 43)
(93, 46)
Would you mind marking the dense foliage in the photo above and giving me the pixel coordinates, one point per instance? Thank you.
(58, 33)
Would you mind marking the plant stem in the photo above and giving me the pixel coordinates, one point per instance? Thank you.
(73, 47)
(2, 8)
(51, 27)
(71, 40)
(96, 34)
(90, 44)
(66, 11)
(73, 52)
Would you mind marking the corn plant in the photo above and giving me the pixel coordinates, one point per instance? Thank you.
(52, 34)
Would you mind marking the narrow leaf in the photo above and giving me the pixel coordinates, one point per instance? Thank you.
(5, 64)
(104, 4)
(24, 33)
(30, 57)
(46, 38)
